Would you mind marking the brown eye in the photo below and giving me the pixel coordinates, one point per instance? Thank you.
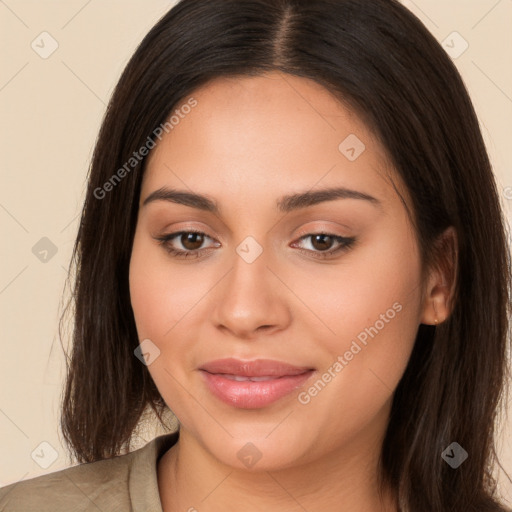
(322, 242)
(189, 243)
(192, 241)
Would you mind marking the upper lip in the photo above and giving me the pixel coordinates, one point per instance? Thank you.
(254, 368)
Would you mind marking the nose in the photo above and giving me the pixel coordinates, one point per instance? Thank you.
(251, 300)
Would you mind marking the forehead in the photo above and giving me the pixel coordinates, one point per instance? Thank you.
(274, 89)
(264, 133)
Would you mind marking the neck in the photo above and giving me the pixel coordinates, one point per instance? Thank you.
(191, 480)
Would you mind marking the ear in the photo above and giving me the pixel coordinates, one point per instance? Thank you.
(439, 292)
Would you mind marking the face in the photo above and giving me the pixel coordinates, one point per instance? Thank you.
(325, 288)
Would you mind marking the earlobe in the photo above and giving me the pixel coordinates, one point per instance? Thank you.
(440, 291)
(435, 310)
(436, 319)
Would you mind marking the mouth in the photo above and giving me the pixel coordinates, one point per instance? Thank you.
(253, 384)
(241, 378)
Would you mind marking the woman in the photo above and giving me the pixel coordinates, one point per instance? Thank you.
(292, 240)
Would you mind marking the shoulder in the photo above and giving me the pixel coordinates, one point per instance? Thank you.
(110, 484)
(76, 488)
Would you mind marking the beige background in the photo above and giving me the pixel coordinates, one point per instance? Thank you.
(51, 109)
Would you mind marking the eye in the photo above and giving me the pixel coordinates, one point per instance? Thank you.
(191, 241)
(322, 243)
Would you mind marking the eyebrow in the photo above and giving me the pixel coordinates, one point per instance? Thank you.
(285, 204)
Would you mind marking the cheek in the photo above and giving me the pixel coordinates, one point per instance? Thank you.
(160, 297)
(356, 385)
(373, 293)
(160, 302)
(167, 302)
(374, 312)
(148, 304)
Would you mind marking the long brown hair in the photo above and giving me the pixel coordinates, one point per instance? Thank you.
(379, 58)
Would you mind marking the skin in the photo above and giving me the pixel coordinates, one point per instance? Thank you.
(248, 142)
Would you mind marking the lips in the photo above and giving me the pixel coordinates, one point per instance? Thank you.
(252, 384)
(256, 368)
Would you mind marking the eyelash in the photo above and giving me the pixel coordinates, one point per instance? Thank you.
(346, 243)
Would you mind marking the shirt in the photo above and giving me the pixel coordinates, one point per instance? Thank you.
(127, 482)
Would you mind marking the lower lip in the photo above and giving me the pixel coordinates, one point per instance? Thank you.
(250, 394)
